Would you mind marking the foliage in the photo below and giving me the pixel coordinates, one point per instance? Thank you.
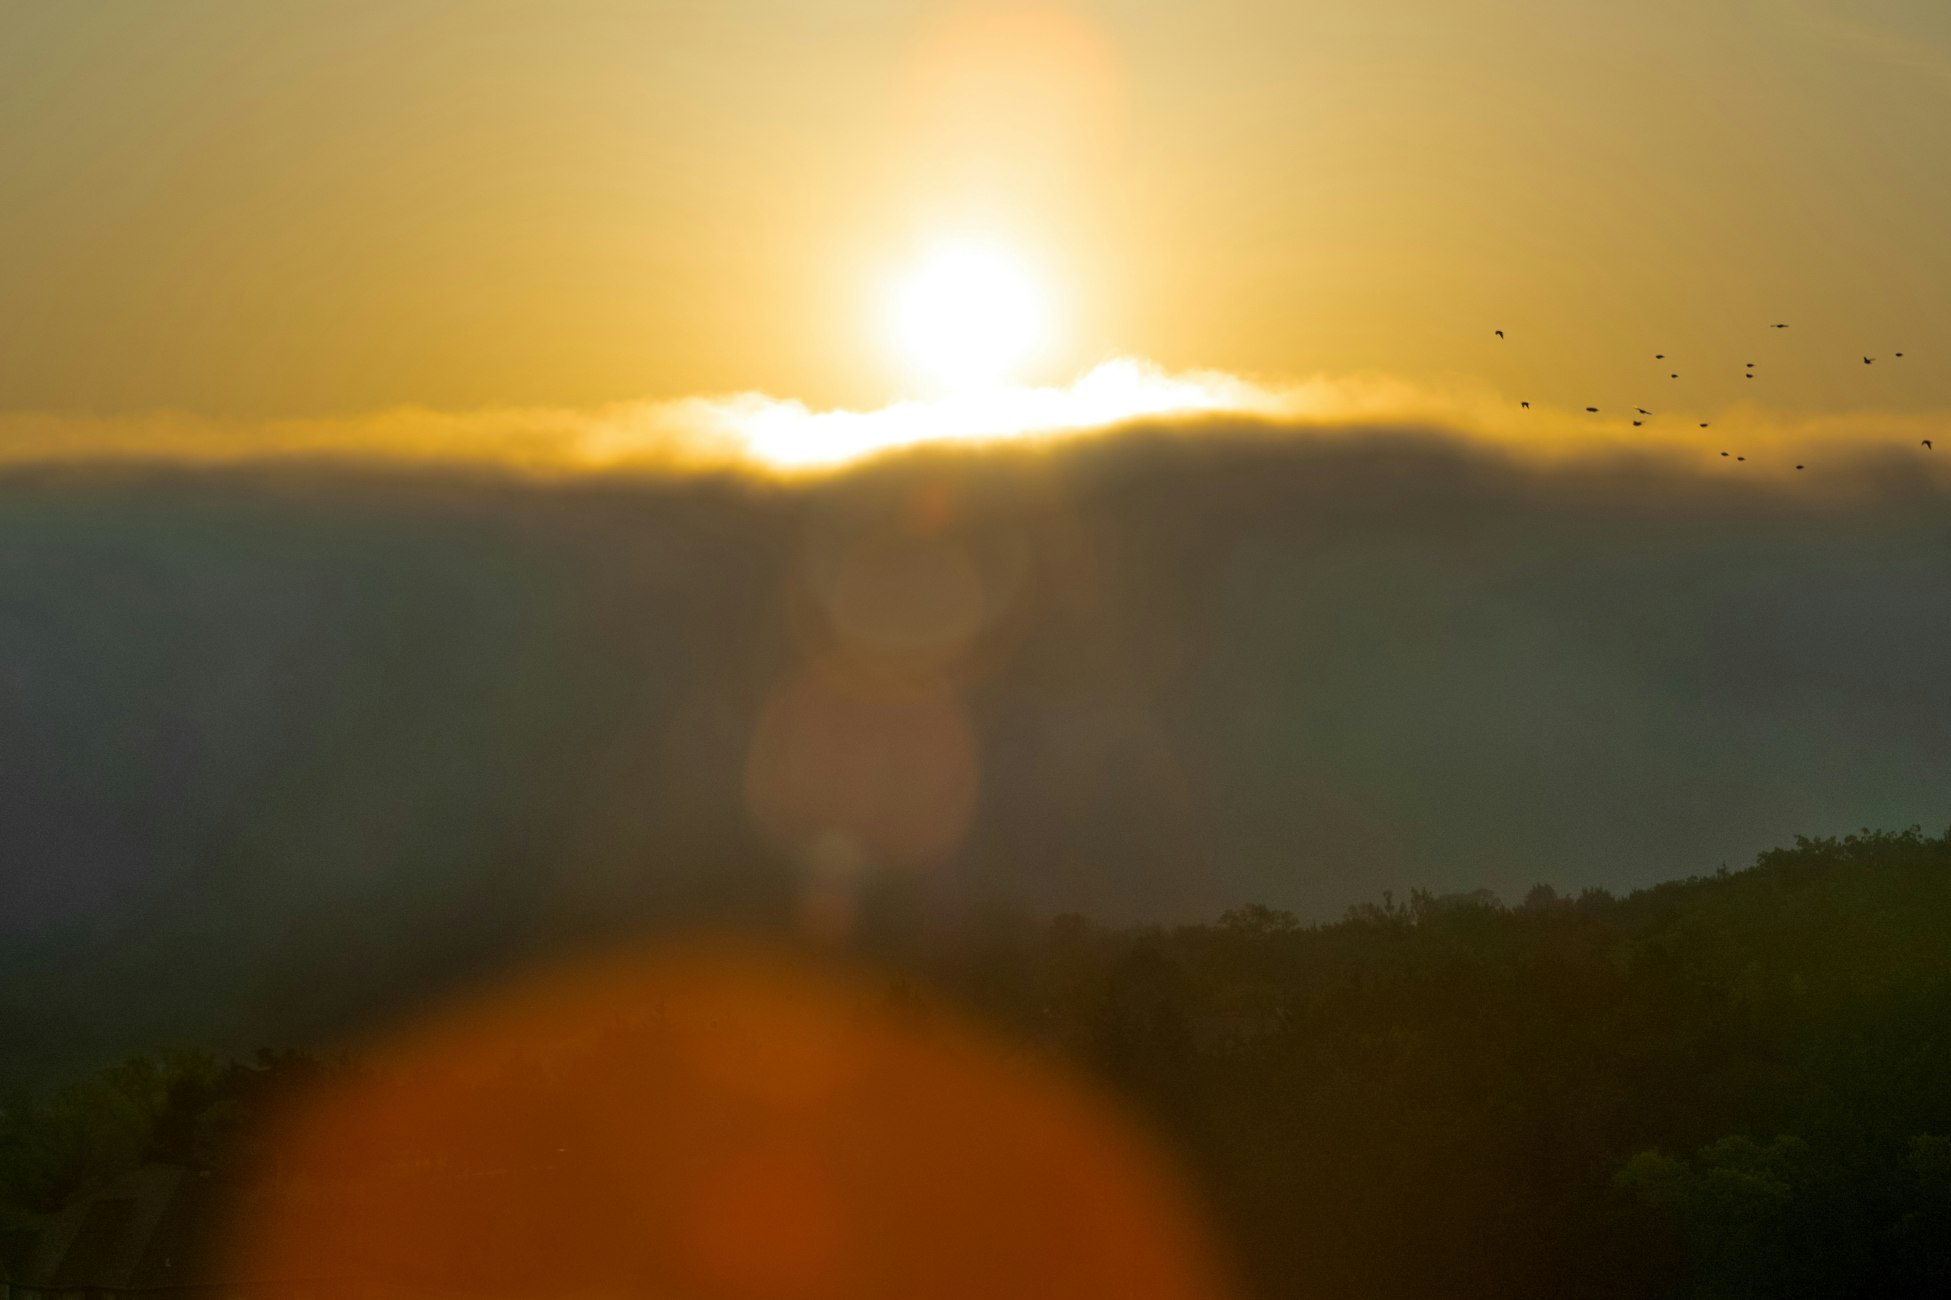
(1723, 1086)
(182, 1108)
(1729, 1086)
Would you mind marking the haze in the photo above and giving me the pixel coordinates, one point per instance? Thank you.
(999, 648)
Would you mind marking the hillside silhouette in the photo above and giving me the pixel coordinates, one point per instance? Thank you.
(1731, 1085)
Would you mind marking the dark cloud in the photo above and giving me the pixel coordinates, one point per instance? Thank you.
(285, 747)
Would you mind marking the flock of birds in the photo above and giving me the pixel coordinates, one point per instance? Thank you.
(1749, 373)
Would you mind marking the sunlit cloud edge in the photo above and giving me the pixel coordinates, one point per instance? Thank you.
(780, 437)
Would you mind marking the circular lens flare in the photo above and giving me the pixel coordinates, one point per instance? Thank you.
(715, 1121)
(971, 316)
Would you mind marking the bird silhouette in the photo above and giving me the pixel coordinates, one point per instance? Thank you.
(1642, 410)
(1659, 356)
(1898, 354)
(1780, 327)
(1798, 467)
(1740, 458)
(1747, 376)
(1673, 376)
(1500, 333)
(1703, 424)
(1723, 453)
(1751, 365)
(1592, 410)
(1868, 360)
(1525, 405)
(1637, 423)
(1927, 445)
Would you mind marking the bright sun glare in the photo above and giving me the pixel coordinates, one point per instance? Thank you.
(970, 316)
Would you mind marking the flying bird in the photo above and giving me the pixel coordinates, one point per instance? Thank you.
(1703, 424)
(1525, 405)
(1500, 333)
(1659, 356)
(1642, 410)
(1637, 423)
(1740, 458)
(1927, 445)
(1899, 354)
(1592, 410)
(1751, 365)
(1780, 327)
(1673, 376)
(1798, 467)
(1868, 360)
(1723, 453)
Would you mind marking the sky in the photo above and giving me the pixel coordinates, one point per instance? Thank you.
(234, 209)
(1332, 591)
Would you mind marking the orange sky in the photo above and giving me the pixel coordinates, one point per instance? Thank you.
(280, 208)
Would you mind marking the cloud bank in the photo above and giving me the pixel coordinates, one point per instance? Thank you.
(288, 746)
(770, 436)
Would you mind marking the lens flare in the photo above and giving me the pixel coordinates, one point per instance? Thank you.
(715, 1122)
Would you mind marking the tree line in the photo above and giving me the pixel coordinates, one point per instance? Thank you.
(1728, 1086)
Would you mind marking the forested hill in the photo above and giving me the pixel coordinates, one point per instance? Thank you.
(1734, 1085)
(1737, 1085)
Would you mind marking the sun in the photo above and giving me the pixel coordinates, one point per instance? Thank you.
(970, 316)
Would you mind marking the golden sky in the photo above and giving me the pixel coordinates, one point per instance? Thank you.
(252, 209)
